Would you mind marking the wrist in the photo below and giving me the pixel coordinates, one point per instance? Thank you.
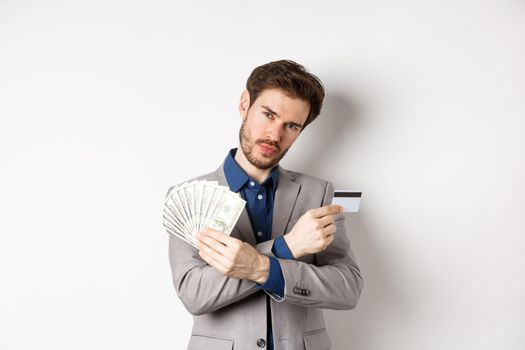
(290, 242)
(262, 270)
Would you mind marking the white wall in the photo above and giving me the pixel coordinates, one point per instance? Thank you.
(105, 104)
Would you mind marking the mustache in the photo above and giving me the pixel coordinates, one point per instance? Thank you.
(270, 143)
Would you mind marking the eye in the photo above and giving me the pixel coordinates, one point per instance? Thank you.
(267, 114)
(292, 126)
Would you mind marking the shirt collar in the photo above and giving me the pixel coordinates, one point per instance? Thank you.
(237, 178)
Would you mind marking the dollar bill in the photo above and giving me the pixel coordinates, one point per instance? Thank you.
(192, 206)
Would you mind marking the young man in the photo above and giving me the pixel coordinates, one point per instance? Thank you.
(288, 257)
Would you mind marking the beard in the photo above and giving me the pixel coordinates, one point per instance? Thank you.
(248, 146)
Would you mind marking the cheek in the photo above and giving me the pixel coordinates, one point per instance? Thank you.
(258, 122)
(288, 140)
(256, 127)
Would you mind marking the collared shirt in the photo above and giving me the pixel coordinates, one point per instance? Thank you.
(259, 204)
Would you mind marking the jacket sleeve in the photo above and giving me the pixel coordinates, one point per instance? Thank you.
(334, 281)
(201, 288)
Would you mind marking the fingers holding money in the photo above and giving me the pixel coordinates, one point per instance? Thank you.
(207, 254)
(216, 244)
(213, 250)
(232, 257)
(216, 235)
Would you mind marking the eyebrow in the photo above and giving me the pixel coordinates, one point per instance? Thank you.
(274, 113)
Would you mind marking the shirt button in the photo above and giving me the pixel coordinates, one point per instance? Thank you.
(259, 233)
(261, 343)
(252, 183)
(260, 196)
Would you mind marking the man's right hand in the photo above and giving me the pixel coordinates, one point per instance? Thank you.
(313, 232)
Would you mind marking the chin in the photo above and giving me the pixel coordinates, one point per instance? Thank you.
(262, 162)
(266, 158)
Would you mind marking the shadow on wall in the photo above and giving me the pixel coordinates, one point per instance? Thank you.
(338, 122)
(355, 329)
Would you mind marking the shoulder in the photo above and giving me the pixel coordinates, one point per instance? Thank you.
(312, 192)
(311, 182)
(210, 176)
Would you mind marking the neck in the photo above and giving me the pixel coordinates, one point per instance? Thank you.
(252, 171)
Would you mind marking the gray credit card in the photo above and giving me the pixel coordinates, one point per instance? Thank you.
(349, 200)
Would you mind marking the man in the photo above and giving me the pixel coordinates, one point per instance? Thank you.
(288, 257)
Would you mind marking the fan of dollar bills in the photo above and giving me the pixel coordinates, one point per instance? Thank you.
(194, 205)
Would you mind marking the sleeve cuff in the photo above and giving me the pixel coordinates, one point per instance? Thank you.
(275, 282)
(280, 249)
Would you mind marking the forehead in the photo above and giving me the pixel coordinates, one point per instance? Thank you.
(289, 108)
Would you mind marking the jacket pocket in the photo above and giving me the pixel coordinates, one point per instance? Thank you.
(317, 340)
(203, 342)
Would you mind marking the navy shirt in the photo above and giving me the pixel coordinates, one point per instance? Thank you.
(259, 205)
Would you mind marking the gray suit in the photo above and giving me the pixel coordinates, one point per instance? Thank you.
(231, 313)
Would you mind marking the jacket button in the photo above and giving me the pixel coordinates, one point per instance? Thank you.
(261, 343)
(296, 290)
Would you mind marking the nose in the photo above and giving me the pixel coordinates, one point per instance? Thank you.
(275, 131)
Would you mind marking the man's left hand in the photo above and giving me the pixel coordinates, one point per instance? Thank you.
(232, 257)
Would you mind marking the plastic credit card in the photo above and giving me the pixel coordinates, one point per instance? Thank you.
(349, 200)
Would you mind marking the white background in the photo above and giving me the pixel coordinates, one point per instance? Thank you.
(105, 104)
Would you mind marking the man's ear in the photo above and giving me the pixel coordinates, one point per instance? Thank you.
(244, 103)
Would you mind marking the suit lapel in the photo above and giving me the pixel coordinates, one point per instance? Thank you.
(284, 201)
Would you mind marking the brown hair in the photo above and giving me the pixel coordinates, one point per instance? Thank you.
(293, 79)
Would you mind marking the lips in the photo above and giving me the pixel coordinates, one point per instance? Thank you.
(267, 149)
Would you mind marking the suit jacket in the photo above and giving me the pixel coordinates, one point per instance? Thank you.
(231, 314)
